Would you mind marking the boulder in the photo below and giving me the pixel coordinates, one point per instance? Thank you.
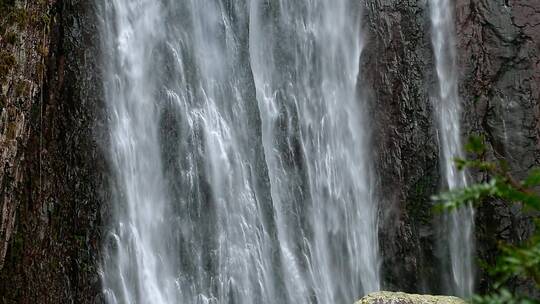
(386, 297)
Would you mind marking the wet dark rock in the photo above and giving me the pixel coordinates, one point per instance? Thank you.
(400, 81)
(499, 49)
(499, 57)
(50, 160)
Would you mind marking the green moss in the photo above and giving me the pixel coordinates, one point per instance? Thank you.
(80, 240)
(4, 70)
(11, 38)
(40, 69)
(11, 130)
(42, 50)
(6, 58)
(419, 203)
(7, 62)
(4, 73)
(18, 16)
(22, 89)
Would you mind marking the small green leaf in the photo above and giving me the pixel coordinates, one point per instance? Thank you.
(533, 179)
(476, 144)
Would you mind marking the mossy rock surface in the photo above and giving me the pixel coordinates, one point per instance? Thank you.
(386, 297)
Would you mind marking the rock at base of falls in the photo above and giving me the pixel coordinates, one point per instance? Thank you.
(386, 297)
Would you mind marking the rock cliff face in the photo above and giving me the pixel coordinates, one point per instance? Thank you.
(405, 139)
(52, 182)
(499, 53)
(51, 172)
(499, 45)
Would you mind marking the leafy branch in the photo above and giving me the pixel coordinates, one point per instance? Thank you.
(515, 261)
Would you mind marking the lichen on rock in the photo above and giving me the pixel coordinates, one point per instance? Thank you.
(386, 297)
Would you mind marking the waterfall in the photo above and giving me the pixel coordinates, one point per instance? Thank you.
(139, 259)
(306, 65)
(459, 223)
(238, 151)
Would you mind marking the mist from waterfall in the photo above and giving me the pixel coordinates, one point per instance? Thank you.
(458, 224)
(239, 150)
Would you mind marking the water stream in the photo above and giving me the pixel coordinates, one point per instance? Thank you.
(239, 152)
(459, 224)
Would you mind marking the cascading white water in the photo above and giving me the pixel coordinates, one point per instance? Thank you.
(140, 259)
(305, 58)
(239, 153)
(459, 223)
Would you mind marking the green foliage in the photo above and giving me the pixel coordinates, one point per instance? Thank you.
(523, 262)
(476, 145)
(533, 179)
(515, 261)
(501, 297)
(475, 193)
